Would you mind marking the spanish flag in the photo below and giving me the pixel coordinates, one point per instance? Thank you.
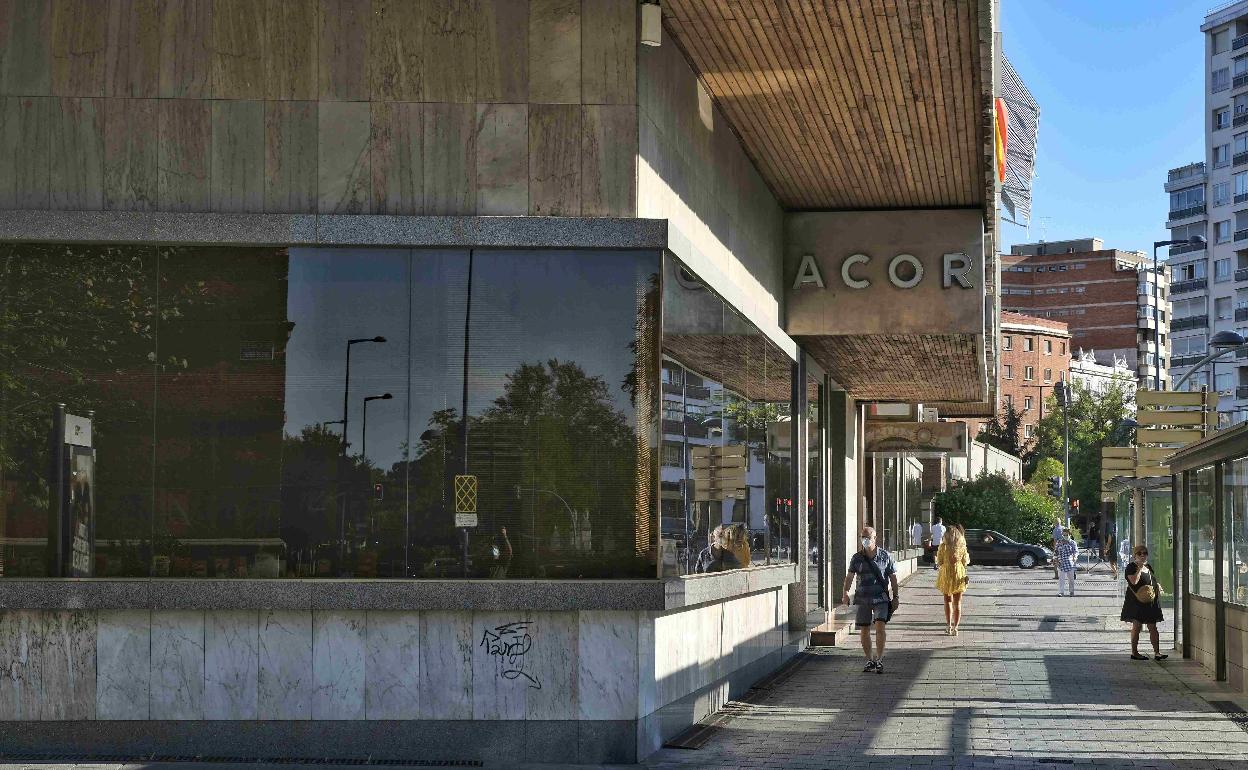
(999, 130)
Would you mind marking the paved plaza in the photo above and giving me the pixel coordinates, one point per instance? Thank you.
(1032, 680)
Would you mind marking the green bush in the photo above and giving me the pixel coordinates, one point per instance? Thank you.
(998, 503)
(1046, 467)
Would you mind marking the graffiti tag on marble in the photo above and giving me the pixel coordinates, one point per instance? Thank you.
(509, 643)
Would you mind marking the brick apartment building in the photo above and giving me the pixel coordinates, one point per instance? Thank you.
(1104, 296)
(1035, 354)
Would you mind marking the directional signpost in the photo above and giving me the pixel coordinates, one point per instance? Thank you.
(718, 472)
(1168, 420)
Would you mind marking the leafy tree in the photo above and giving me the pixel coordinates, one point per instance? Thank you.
(1046, 467)
(1094, 418)
(994, 501)
(1003, 432)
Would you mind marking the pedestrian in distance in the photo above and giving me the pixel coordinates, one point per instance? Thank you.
(1057, 538)
(1067, 553)
(938, 535)
(1111, 552)
(952, 580)
(875, 572)
(916, 534)
(1142, 605)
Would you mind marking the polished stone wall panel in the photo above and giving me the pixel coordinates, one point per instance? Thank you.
(450, 159)
(25, 124)
(186, 52)
(607, 665)
(609, 161)
(504, 671)
(231, 663)
(397, 147)
(238, 42)
(555, 51)
(25, 51)
(344, 171)
(237, 179)
(290, 69)
(450, 51)
(184, 155)
(177, 679)
(132, 52)
(553, 659)
(609, 52)
(392, 668)
(396, 49)
(291, 134)
(76, 176)
(555, 160)
(131, 145)
(79, 39)
(21, 664)
(69, 665)
(446, 665)
(123, 650)
(339, 662)
(345, 26)
(502, 159)
(502, 51)
(284, 673)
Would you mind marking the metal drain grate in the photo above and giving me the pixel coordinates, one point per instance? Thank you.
(1054, 761)
(1233, 712)
(137, 758)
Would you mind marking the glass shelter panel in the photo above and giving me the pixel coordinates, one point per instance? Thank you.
(1200, 505)
(1235, 499)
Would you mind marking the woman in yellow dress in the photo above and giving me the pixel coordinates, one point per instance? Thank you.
(951, 580)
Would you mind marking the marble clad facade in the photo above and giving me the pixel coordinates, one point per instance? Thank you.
(512, 673)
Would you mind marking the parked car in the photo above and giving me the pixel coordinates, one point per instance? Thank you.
(988, 546)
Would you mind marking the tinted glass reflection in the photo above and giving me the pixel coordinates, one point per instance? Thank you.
(270, 413)
(726, 470)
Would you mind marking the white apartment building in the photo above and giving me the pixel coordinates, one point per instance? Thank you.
(1209, 291)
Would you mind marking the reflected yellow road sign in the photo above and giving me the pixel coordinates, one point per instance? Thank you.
(465, 494)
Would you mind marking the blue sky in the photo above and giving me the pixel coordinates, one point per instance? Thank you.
(1120, 86)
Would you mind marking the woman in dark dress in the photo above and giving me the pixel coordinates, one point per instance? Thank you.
(1139, 573)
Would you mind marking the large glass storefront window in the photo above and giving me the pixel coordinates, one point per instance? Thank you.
(814, 502)
(726, 472)
(1200, 504)
(1159, 533)
(268, 413)
(897, 503)
(1235, 498)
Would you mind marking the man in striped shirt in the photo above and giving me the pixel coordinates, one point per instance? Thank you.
(1067, 553)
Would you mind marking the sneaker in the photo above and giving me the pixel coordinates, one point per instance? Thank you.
(1162, 656)
(871, 666)
(879, 667)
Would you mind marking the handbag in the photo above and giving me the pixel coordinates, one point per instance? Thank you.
(1146, 594)
(875, 570)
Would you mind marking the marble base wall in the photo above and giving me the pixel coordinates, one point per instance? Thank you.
(539, 681)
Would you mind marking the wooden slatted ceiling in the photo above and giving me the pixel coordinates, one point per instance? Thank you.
(847, 104)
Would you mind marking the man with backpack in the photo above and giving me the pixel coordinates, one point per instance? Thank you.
(876, 573)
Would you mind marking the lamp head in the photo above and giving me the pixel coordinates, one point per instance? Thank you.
(1197, 240)
(1226, 339)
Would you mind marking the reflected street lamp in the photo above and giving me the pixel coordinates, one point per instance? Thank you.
(364, 427)
(1195, 240)
(346, 385)
(342, 509)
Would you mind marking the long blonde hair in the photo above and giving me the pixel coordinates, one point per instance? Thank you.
(955, 544)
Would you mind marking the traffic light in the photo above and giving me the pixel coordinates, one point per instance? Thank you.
(1055, 486)
(379, 491)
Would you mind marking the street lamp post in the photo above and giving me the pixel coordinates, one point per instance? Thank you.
(364, 426)
(1195, 240)
(1221, 343)
(1062, 391)
(342, 462)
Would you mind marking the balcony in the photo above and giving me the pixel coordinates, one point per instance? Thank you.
(1185, 176)
(1239, 42)
(1239, 159)
(1241, 354)
(1186, 248)
(1241, 274)
(1241, 118)
(1190, 322)
(1190, 211)
(1241, 235)
(1240, 81)
(1241, 392)
(1181, 362)
(1185, 287)
(1241, 314)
